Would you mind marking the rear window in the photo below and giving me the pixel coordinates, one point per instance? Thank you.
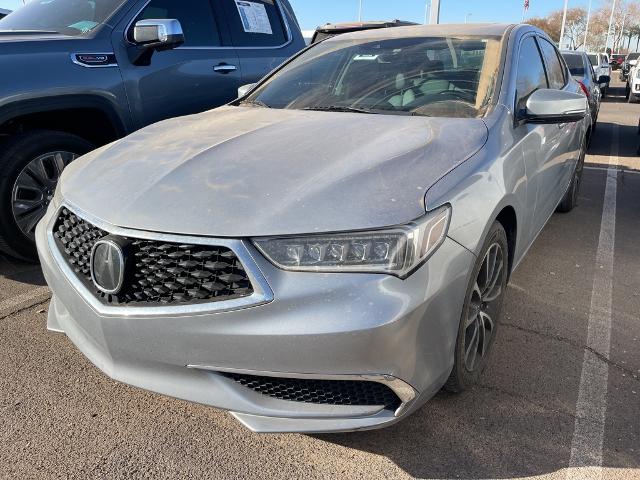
(575, 64)
(594, 60)
(256, 23)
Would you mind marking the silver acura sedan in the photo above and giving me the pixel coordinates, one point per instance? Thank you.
(330, 250)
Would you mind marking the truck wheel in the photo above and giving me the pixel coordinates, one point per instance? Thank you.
(604, 92)
(632, 99)
(30, 166)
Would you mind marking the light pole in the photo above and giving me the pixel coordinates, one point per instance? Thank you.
(427, 8)
(613, 9)
(466, 17)
(360, 11)
(586, 29)
(434, 12)
(564, 22)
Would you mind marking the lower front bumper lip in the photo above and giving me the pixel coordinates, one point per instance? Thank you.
(405, 392)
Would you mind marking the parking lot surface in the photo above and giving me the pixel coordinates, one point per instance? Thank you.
(560, 398)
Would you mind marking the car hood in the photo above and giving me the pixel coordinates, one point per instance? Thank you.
(249, 171)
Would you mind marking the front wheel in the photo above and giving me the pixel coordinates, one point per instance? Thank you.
(570, 199)
(481, 311)
(30, 167)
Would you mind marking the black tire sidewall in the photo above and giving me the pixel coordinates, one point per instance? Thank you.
(460, 378)
(16, 153)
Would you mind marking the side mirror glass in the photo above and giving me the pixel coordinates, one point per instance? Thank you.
(161, 34)
(245, 89)
(555, 106)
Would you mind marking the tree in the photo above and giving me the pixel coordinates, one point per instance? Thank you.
(626, 26)
(574, 27)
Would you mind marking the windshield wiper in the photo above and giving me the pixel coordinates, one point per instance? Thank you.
(255, 103)
(339, 108)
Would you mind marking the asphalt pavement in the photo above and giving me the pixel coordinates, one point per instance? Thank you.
(560, 398)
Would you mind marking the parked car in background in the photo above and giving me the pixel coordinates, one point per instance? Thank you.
(4, 12)
(632, 87)
(617, 59)
(333, 29)
(600, 62)
(328, 252)
(583, 72)
(630, 61)
(84, 74)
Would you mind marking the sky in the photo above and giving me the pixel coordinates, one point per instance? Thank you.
(312, 13)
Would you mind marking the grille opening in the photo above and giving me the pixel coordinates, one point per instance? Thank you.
(326, 392)
(158, 272)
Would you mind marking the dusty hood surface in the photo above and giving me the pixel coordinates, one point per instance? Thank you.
(246, 171)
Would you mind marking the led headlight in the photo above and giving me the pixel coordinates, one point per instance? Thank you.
(395, 251)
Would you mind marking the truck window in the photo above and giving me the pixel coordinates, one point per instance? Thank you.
(255, 23)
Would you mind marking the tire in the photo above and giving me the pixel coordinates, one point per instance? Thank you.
(570, 199)
(632, 98)
(604, 92)
(24, 195)
(482, 309)
(627, 91)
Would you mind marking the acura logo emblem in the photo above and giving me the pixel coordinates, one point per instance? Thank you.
(107, 266)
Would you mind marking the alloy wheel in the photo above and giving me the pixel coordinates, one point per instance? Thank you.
(34, 188)
(483, 308)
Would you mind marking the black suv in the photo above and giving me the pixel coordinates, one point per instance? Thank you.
(82, 73)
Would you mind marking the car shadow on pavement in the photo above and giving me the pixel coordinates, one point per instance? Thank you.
(601, 141)
(19, 271)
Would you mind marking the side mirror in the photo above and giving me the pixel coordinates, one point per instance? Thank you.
(245, 89)
(604, 79)
(555, 106)
(163, 34)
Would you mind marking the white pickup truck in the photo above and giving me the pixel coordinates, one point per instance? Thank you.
(602, 67)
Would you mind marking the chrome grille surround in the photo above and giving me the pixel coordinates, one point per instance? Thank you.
(261, 292)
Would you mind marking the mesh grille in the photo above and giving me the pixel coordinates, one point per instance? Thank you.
(328, 392)
(156, 272)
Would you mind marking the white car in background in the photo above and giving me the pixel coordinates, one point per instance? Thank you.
(602, 67)
(632, 90)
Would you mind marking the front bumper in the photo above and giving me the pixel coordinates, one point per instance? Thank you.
(322, 326)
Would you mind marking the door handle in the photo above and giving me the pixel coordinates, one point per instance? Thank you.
(225, 68)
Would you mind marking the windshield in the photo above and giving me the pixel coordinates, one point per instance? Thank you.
(575, 64)
(68, 17)
(433, 76)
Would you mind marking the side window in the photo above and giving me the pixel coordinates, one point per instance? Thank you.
(195, 16)
(255, 23)
(555, 68)
(530, 76)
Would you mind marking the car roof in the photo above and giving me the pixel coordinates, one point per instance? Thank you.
(462, 29)
(338, 27)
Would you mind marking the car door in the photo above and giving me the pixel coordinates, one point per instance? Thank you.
(261, 35)
(559, 158)
(536, 140)
(201, 74)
